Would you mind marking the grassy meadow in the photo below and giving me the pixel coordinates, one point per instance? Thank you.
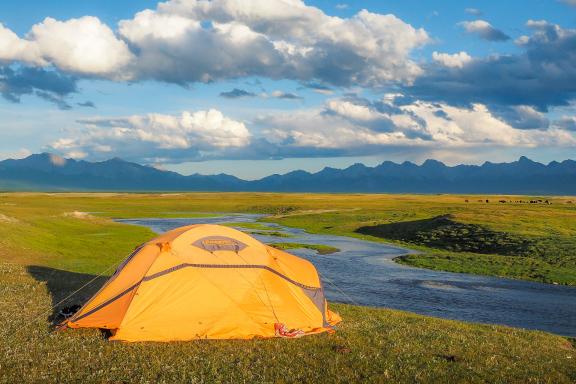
(52, 244)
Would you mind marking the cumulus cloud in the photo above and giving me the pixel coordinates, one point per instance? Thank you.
(273, 38)
(456, 60)
(76, 48)
(484, 30)
(356, 126)
(191, 135)
(82, 46)
(12, 48)
(542, 75)
(347, 126)
(186, 41)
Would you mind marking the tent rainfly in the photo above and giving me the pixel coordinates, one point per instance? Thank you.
(208, 282)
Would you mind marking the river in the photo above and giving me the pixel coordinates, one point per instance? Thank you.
(363, 272)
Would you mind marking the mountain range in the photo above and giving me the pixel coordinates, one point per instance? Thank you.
(48, 172)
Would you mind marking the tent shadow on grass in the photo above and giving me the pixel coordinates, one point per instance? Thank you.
(61, 283)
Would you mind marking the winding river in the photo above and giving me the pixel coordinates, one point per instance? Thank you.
(363, 272)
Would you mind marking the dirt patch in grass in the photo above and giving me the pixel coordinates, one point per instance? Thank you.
(79, 215)
(8, 219)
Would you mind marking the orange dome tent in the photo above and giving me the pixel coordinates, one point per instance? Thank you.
(208, 282)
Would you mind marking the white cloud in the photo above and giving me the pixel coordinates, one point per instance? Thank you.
(154, 135)
(350, 110)
(541, 75)
(84, 46)
(12, 48)
(348, 126)
(353, 126)
(190, 40)
(484, 30)
(187, 41)
(456, 60)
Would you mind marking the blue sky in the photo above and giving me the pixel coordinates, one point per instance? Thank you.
(256, 87)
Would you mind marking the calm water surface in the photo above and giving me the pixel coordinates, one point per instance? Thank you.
(363, 273)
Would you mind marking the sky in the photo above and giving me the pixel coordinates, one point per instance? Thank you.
(255, 87)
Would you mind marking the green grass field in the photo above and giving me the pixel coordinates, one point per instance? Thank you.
(321, 249)
(51, 244)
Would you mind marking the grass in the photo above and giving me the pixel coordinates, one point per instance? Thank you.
(443, 232)
(371, 345)
(46, 253)
(551, 227)
(547, 233)
(474, 248)
(321, 249)
(509, 267)
(271, 233)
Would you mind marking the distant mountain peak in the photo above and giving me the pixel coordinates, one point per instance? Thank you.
(433, 163)
(46, 157)
(525, 160)
(48, 171)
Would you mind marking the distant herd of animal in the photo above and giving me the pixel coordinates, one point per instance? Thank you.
(539, 201)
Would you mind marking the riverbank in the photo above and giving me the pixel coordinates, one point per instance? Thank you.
(363, 272)
(517, 240)
(51, 245)
(549, 229)
(371, 345)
